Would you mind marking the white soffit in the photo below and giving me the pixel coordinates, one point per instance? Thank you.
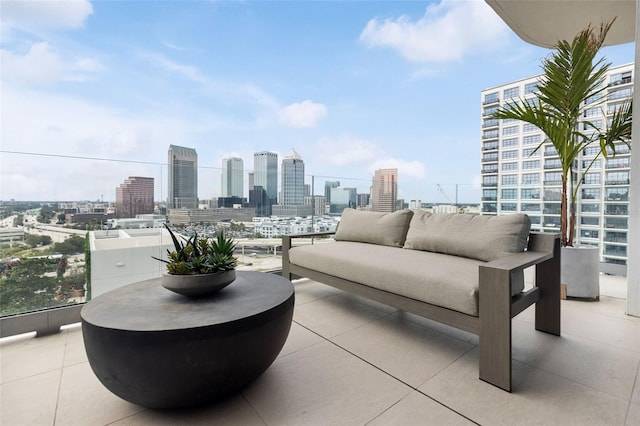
(545, 22)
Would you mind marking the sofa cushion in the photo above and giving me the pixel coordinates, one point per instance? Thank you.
(448, 281)
(477, 237)
(389, 229)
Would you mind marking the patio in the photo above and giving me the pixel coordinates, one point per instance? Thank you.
(352, 361)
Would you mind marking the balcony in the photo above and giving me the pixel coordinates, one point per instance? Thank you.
(352, 361)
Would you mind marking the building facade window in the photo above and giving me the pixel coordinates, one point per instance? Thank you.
(509, 194)
(589, 220)
(491, 97)
(509, 179)
(590, 193)
(509, 154)
(552, 194)
(592, 112)
(589, 233)
(590, 151)
(512, 130)
(592, 179)
(531, 140)
(617, 194)
(489, 156)
(489, 168)
(592, 125)
(597, 164)
(531, 164)
(617, 163)
(489, 195)
(552, 163)
(530, 194)
(530, 207)
(507, 167)
(512, 92)
(620, 78)
(490, 134)
(530, 88)
(552, 178)
(490, 181)
(510, 142)
(617, 178)
(620, 94)
(590, 208)
(530, 178)
(527, 127)
(508, 207)
(530, 152)
(489, 110)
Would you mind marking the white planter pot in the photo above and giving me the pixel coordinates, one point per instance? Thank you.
(580, 271)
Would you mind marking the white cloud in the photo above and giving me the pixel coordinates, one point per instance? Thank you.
(41, 65)
(345, 150)
(447, 32)
(305, 114)
(48, 14)
(247, 91)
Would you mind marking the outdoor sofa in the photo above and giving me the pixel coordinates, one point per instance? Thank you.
(466, 271)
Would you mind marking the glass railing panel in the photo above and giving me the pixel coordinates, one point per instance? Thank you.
(64, 243)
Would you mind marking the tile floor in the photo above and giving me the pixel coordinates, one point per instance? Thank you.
(349, 361)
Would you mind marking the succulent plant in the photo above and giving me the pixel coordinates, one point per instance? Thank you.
(199, 255)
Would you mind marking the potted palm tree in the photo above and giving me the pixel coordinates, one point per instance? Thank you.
(572, 81)
(198, 266)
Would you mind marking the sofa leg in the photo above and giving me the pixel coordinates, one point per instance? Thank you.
(548, 281)
(495, 328)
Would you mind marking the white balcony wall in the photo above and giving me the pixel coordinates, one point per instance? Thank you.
(123, 257)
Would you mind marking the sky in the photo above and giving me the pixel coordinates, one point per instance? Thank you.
(92, 92)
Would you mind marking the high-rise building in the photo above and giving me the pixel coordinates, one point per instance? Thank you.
(232, 177)
(384, 190)
(265, 169)
(328, 185)
(292, 188)
(134, 196)
(250, 176)
(342, 198)
(183, 178)
(518, 177)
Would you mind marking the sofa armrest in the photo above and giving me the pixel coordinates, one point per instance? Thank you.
(496, 307)
(287, 244)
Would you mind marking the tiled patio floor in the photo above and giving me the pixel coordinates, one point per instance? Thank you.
(349, 361)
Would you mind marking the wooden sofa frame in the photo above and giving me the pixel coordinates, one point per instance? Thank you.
(496, 305)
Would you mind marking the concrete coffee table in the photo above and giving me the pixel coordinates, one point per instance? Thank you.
(160, 349)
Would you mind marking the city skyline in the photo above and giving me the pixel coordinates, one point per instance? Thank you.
(354, 86)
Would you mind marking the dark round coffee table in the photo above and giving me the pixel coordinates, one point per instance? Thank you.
(159, 349)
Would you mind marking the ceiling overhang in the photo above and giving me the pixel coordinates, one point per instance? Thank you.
(545, 22)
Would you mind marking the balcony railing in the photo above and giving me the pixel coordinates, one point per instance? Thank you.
(45, 254)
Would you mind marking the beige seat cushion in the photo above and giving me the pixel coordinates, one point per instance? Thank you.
(477, 237)
(448, 281)
(389, 229)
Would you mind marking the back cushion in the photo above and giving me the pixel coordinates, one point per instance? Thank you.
(477, 237)
(389, 229)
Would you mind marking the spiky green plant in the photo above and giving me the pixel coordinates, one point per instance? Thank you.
(199, 255)
(572, 81)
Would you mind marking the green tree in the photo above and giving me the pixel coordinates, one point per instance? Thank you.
(24, 287)
(18, 220)
(35, 240)
(572, 81)
(46, 214)
(73, 244)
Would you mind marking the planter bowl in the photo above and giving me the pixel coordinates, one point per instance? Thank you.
(198, 285)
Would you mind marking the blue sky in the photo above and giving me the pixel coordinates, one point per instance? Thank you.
(352, 86)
